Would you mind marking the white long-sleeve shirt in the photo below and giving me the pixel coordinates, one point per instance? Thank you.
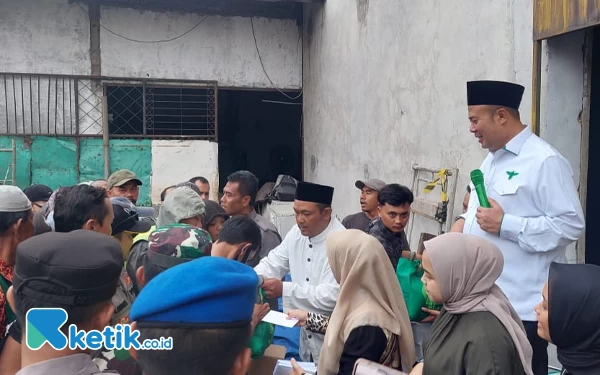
(313, 287)
(534, 185)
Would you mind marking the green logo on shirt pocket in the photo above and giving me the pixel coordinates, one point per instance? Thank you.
(511, 174)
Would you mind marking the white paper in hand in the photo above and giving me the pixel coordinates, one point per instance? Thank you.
(285, 367)
(280, 319)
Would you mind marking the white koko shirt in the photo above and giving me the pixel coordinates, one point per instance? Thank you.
(534, 185)
(313, 287)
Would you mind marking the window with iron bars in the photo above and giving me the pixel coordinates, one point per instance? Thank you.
(162, 110)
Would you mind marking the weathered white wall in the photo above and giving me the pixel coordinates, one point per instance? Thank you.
(50, 36)
(385, 85)
(220, 49)
(561, 103)
(562, 95)
(562, 100)
(177, 161)
(53, 37)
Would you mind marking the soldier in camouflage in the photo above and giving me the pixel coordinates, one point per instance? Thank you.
(176, 244)
(182, 205)
(168, 246)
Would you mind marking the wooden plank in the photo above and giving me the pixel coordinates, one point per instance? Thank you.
(536, 87)
(425, 208)
(555, 17)
(585, 137)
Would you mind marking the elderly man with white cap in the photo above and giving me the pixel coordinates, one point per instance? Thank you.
(16, 225)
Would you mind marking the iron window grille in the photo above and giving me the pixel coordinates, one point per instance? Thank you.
(69, 105)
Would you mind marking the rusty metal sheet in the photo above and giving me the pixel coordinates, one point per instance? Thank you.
(555, 17)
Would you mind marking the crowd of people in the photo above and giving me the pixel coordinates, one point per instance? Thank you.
(206, 273)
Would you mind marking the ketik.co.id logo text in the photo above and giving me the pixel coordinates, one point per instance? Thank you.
(44, 326)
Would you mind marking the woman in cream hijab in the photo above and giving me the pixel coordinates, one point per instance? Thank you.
(370, 318)
(477, 331)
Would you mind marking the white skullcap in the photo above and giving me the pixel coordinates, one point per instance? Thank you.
(12, 199)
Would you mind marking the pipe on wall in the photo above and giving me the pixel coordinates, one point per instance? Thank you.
(105, 135)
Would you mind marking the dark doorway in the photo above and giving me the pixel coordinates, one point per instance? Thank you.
(259, 131)
(592, 255)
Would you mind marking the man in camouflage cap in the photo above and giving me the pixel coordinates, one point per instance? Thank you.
(168, 246)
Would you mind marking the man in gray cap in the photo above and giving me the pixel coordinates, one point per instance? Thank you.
(47, 275)
(369, 191)
(182, 205)
(124, 183)
(16, 225)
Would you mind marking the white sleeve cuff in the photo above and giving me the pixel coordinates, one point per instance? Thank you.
(511, 227)
(287, 289)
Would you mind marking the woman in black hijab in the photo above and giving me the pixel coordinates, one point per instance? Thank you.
(214, 218)
(568, 316)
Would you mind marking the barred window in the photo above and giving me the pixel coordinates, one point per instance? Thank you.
(162, 110)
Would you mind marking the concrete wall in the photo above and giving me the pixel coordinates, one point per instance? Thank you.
(50, 36)
(385, 85)
(562, 100)
(177, 161)
(562, 95)
(53, 37)
(220, 49)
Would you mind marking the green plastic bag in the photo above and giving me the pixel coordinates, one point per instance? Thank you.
(409, 273)
(263, 334)
(429, 303)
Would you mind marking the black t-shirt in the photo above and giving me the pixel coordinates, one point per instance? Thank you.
(358, 221)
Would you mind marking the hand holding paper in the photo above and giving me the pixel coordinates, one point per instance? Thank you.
(280, 319)
(300, 315)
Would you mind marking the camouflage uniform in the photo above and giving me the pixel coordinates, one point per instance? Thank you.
(167, 246)
(178, 241)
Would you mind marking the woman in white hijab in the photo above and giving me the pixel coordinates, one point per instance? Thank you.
(370, 318)
(477, 331)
